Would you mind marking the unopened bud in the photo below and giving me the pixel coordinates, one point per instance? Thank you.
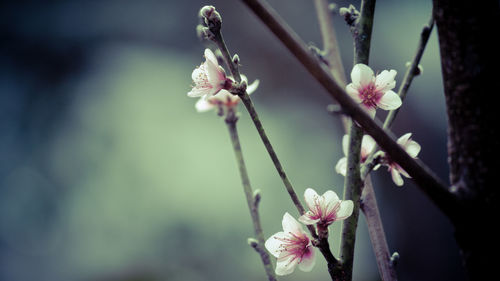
(395, 258)
(236, 59)
(419, 70)
(253, 242)
(256, 197)
(350, 14)
(204, 33)
(211, 17)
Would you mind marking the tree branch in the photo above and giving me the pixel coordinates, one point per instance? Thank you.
(428, 182)
(252, 201)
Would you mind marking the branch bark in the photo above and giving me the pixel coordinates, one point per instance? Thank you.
(469, 63)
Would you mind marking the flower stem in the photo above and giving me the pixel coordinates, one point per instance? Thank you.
(252, 201)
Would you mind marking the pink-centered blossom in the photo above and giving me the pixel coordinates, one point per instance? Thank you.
(209, 78)
(412, 148)
(223, 98)
(325, 209)
(367, 145)
(292, 247)
(372, 91)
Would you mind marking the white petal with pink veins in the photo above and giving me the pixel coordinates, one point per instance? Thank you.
(286, 265)
(273, 244)
(308, 261)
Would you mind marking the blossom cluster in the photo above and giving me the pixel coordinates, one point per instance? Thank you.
(211, 85)
(292, 247)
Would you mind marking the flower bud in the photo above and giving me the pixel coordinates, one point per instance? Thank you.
(204, 33)
(211, 17)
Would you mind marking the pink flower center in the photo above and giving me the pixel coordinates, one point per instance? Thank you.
(323, 211)
(296, 245)
(369, 95)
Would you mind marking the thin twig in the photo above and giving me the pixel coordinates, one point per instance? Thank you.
(428, 182)
(376, 231)
(252, 203)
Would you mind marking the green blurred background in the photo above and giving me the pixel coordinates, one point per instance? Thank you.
(108, 173)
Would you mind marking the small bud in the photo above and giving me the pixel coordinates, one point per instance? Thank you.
(236, 59)
(394, 259)
(204, 33)
(211, 17)
(418, 71)
(253, 242)
(334, 109)
(350, 14)
(256, 197)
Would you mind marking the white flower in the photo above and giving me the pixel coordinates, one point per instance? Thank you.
(412, 148)
(292, 247)
(367, 145)
(223, 98)
(372, 92)
(325, 209)
(209, 78)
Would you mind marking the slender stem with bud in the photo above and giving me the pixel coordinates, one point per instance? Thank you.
(252, 199)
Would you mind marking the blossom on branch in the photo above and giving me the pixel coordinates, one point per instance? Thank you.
(367, 145)
(412, 148)
(325, 209)
(209, 78)
(223, 98)
(373, 91)
(292, 247)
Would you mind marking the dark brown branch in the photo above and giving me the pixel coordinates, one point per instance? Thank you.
(427, 181)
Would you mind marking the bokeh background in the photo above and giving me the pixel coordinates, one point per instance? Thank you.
(107, 173)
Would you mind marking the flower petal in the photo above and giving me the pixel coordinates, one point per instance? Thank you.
(308, 260)
(345, 144)
(306, 218)
(353, 92)
(310, 196)
(330, 197)
(252, 87)
(290, 224)
(198, 92)
(396, 177)
(385, 80)
(210, 56)
(273, 243)
(367, 145)
(286, 265)
(345, 211)
(403, 140)
(413, 148)
(389, 101)
(361, 74)
(203, 105)
(341, 166)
